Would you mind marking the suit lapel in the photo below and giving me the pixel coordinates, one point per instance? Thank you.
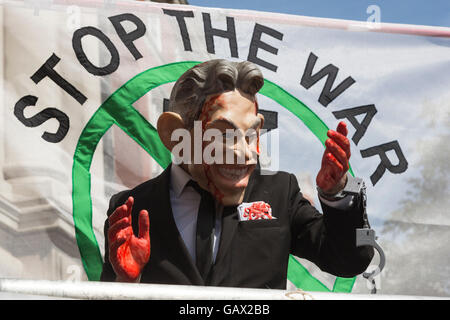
(230, 221)
(172, 242)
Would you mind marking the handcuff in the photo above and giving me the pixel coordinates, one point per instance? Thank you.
(365, 236)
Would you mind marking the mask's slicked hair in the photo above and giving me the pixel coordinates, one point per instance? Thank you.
(209, 78)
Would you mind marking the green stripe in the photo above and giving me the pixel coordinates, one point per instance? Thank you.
(118, 110)
(81, 193)
(344, 285)
(301, 278)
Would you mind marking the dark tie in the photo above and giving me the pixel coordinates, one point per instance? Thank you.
(205, 231)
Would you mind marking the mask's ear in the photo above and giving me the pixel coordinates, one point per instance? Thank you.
(259, 115)
(168, 122)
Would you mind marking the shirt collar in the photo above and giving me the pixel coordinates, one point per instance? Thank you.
(178, 179)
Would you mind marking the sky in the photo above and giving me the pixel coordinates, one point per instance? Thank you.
(419, 12)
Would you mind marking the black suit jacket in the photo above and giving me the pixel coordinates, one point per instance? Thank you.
(251, 253)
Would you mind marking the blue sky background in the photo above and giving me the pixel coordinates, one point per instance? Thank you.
(420, 12)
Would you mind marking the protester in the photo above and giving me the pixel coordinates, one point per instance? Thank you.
(227, 223)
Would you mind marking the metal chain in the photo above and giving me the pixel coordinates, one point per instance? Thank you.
(364, 204)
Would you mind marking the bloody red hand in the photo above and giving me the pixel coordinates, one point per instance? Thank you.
(331, 177)
(128, 254)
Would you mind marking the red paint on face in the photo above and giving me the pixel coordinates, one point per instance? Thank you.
(257, 144)
(205, 118)
(257, 138)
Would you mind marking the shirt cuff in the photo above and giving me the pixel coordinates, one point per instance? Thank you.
(341, 204)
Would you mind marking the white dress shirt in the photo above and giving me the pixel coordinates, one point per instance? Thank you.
(185, 202)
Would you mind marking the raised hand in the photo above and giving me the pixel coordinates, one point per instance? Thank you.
(128, 254)
(332, 175)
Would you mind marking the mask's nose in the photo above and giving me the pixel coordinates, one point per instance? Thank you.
(246, 148)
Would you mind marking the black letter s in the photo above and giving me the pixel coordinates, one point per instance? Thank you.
(42, 117)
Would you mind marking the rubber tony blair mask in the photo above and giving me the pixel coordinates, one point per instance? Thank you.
(212, 127)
